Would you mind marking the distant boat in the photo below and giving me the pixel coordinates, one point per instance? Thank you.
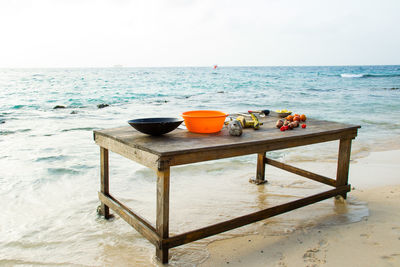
(215, 67)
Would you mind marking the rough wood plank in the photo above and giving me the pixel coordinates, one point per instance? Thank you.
(301, 172)
(104, 180)
(162, 219)
(250, 218)
(180, 141)
(145, 158)
(264, 146)
(140, 224)
(343, 163)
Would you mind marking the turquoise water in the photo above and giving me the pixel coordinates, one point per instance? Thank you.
(49, 162)
(367, 95)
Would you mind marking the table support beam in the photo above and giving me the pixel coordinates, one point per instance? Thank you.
(140, 224)
(250, 218)
(342, 174)
(104, 181)
(301, 172)
(162, 219)
(260, 174)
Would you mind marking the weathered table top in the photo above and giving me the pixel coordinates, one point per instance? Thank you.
(181, 141)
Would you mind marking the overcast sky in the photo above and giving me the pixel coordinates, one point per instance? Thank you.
(103, 33)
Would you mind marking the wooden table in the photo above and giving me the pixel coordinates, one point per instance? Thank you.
(182, 147)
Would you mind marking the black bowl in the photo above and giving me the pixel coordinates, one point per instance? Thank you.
(155, 126)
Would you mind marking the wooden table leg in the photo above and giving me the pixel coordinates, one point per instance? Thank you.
(260, 174)
(342, 174)
(162, 220)
(104, 180)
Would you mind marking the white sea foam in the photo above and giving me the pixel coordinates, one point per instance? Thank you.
(350, 75)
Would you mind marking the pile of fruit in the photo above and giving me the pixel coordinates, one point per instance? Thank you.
(291, 122)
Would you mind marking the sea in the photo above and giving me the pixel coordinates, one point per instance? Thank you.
(49, 162)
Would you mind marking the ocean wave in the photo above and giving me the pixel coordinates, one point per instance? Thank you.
(79, 129)
(62, 171)
(18, 106)
(6, 132)
(52, 158)
(388, 124)
(354, 75)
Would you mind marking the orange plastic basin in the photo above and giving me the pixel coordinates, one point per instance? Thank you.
(204, 121)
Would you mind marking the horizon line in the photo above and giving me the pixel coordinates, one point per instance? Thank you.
(198, 66)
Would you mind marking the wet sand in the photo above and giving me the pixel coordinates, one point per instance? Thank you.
(372, 241)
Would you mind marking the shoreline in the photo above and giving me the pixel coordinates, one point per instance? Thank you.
(373, 240)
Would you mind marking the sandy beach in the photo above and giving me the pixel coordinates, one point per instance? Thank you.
(374, 240)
